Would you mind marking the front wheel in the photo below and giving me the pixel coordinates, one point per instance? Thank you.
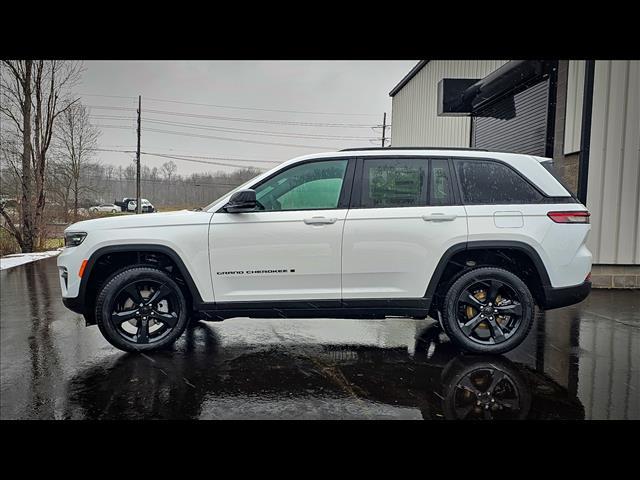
(488, 310)
(141, 309)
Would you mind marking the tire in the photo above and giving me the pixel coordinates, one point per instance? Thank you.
(498, 328)
(157, 324)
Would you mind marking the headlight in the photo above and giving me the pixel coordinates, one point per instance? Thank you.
(73, 239)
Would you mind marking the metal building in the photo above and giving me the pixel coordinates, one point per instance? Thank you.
(583, 114)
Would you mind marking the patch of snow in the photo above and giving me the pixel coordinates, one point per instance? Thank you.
(10, 261)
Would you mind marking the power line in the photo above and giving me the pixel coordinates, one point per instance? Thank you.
(239, 119)
(235, 130)
(256, 132)
(197, 159)
(207, 162)
(106, 96)
(177, 155)
(262, 109)
(205, 157)
(196, 135)
(234, 107)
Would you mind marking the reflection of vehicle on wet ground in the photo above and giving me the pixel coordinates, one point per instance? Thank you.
(199, 374)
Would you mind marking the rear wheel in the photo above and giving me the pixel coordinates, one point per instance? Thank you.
(488, 310)
(141, 309)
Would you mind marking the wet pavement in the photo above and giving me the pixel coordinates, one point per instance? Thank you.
(581, 362)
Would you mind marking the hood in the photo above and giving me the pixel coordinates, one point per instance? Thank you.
(146, 220)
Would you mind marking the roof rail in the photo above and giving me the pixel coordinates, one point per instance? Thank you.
(415, 148)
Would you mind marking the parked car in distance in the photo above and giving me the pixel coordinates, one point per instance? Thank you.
(105, 207)
(129, 205)
(147, 206)
(472, 238)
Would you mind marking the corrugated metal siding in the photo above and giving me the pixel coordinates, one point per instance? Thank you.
(415, 120)
(613, 192)
(573, 114)
(526, 132)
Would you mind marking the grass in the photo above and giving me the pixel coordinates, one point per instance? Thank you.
(52, 244)
(8, 244)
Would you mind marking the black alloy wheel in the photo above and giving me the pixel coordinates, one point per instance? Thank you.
(488, 310)
(145, 311)
(141, 309)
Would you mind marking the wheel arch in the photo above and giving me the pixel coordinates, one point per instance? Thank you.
(136, 253)
(453, 263)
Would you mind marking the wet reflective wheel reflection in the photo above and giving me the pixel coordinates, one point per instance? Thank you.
(485, 390)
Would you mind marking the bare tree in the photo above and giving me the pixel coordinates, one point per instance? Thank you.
(33, 93)
(168, 169)
(77, 139)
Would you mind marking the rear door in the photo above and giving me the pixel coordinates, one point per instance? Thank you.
(404, 215)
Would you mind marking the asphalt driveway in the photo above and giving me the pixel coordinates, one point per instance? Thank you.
(581, 362)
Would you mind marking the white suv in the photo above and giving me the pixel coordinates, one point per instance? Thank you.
(472, 238)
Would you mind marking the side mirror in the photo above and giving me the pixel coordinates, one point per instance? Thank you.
(242, 201)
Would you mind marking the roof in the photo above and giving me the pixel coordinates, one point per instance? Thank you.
(414, 71)
(413, 148)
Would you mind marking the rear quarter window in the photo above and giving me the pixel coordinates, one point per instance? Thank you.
(486, 182)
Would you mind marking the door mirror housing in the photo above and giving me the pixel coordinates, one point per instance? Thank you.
(242, 201)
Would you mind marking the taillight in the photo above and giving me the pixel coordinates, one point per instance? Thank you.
(570, 217)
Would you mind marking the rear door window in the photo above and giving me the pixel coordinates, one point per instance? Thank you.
(440, 191)
(394, 182)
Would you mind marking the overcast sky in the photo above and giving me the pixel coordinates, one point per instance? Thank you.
(355, 93)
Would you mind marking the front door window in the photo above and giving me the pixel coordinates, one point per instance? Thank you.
(310, 186)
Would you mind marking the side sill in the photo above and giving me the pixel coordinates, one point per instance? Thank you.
(355, 308)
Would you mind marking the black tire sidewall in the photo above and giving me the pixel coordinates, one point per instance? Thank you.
(106, 297)
(449, 313)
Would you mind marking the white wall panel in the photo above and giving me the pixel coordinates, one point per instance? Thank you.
(573, 114)
(415, 120)
(613, 192)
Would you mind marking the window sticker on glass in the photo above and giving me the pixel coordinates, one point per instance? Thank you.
(394, 183)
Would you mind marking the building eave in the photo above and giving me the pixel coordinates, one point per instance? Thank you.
(414, 71)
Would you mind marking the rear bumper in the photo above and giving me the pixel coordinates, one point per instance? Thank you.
(565, 296)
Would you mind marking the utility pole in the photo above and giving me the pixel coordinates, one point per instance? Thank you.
(138, 202)
(384, 127)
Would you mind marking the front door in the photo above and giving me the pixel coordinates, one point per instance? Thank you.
(291, 247)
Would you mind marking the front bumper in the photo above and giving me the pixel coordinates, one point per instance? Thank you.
(565, 296)
(73, 304)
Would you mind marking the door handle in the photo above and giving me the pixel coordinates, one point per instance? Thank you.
(439, 217)
(320, 220)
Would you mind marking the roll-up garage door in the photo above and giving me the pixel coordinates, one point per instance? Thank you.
(515, 123)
